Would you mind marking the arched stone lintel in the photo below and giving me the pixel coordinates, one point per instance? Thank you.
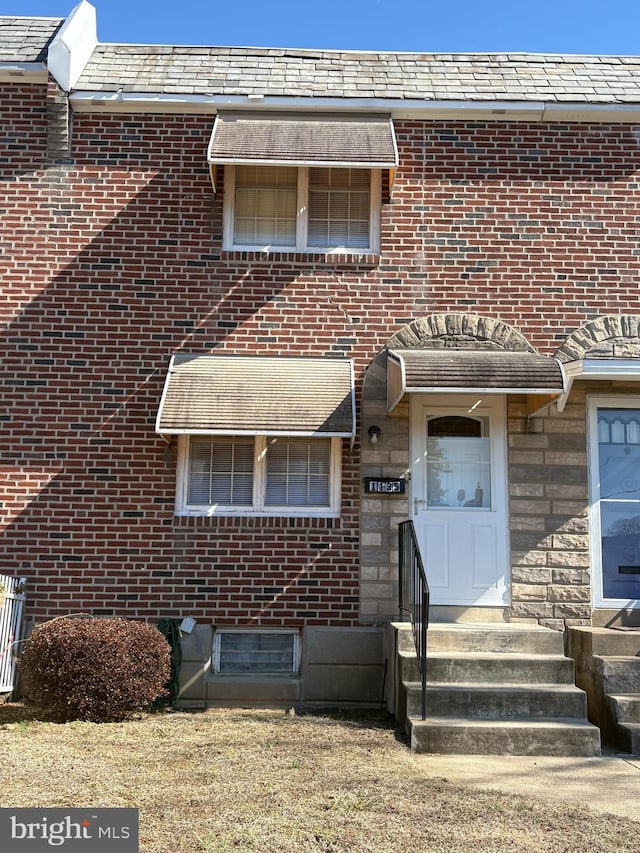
(459, 331)
(608, 336)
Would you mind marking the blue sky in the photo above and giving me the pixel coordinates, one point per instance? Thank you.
(555, 26)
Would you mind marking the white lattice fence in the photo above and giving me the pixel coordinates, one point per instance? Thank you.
(11, 603)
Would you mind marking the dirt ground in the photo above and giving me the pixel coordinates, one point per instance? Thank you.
(268, 781)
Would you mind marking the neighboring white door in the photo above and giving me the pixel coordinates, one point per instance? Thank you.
(458, 497)
(614, 442)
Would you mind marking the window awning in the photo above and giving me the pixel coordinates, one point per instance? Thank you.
(317, 139)
(459, 371)
(606, 369)
(234, 395)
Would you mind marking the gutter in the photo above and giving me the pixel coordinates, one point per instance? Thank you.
(23, 72)
(83, 101)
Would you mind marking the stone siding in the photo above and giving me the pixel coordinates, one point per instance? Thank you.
(548, 499)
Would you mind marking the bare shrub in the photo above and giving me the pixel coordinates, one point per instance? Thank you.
(101, 670)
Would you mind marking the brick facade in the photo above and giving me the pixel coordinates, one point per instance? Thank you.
(112, 261)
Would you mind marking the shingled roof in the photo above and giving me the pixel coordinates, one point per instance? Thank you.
(286, 72)
(26, 39)
(320, 73)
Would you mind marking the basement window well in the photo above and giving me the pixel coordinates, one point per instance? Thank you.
(243, 652)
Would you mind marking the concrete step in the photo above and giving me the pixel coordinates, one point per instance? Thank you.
(605, 641)
(485, 667)
(504, 737)
(495, 638)
(495, 689)
(404, 637)
(624, 710)
(608, 669)
(619, 674)
(497, 701)
(628, 737)
(625, 707)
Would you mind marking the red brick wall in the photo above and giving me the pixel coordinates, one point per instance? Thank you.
(112, 261)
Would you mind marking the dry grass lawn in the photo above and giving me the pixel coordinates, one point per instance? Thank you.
(264, 781)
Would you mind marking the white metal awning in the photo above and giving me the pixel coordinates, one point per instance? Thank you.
(234, 395)
(611, 369)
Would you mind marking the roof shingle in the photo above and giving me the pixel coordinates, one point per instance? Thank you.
(311, 73)
(26, 39)
(288, 72)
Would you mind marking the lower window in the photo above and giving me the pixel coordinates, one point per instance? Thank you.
(261, 475)
(266, 652)
(615, 500)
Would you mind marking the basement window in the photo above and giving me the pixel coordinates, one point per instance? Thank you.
(243, 652)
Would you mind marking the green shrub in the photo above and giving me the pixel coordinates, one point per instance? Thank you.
(102, 670)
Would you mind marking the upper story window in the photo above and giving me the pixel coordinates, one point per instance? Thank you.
(303, 182)
(302, 208)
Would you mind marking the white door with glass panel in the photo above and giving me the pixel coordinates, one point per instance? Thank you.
(615, 502)
(458, 498)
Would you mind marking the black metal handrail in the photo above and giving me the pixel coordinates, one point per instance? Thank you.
(414, 598)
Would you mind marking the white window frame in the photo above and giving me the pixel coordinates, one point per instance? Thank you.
(297, 646)
(593, 404)
(301, 218)
(258, 507)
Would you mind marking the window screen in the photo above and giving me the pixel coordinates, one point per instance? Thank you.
(265, 205)
(259, 474)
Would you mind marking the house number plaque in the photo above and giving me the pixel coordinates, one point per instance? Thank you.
(384, 486)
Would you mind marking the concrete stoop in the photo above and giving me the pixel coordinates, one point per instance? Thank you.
(608, 669)
(503, 689)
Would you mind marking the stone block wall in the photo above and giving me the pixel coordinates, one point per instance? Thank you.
(381, 515)
(548, 500)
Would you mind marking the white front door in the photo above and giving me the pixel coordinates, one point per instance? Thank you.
(458, 497)
(614, 439)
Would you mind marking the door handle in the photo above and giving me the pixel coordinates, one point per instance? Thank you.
(417, 504)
